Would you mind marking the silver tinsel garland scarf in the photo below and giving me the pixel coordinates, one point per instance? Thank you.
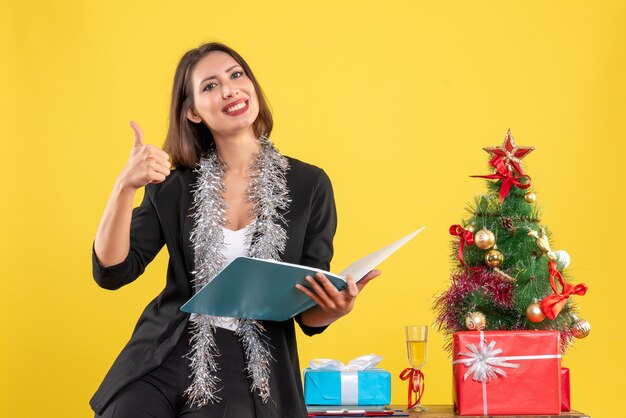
(269, 196)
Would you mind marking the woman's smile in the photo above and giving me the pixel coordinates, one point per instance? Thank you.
(236, 108)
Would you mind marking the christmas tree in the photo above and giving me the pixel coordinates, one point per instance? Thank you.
(505, 275)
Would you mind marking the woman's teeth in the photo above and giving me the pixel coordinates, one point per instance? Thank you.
(236, 107)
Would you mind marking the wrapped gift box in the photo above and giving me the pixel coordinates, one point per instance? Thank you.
(367, 387)
(565, 397)
(507, 373)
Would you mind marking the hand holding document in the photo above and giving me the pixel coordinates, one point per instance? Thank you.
(265, 289)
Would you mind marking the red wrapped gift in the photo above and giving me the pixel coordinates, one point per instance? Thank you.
(507, 373)
(565, 399)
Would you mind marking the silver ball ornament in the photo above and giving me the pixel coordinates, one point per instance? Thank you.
(562, 259)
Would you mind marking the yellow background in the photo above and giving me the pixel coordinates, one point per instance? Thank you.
(394, 99)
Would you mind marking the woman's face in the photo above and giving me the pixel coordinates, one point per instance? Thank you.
(224, 97)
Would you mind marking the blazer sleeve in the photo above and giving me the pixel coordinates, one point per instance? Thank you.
(146, 240)
(318, 242)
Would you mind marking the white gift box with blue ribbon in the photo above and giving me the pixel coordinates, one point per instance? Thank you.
(330, 382)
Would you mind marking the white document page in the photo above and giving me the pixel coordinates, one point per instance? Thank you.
(361, 267)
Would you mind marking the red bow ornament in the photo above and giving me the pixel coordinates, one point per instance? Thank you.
(466, 237)
(552, 305)
(506, 176)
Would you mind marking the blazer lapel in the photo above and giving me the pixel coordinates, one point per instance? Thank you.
(187, 221)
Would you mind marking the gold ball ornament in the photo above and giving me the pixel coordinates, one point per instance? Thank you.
(534, 312)
(471, 228)
(475, 321)
(580, 328)
(484, 239)
(494, 258)
(530, 197)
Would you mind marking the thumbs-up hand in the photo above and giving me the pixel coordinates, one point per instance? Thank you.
(147, 163)
(138, 135)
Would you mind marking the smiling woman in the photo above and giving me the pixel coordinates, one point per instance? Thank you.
(182, 141)
(232, 193)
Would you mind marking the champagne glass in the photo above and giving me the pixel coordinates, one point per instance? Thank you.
(416, 341)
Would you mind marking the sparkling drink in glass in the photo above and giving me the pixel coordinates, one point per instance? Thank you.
(416, 347)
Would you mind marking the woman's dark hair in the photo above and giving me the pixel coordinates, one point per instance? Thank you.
(186, 142)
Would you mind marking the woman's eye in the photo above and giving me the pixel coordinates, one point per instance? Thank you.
(209, 86)
(236, 74)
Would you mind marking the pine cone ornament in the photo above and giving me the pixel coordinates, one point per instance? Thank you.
(507, 223)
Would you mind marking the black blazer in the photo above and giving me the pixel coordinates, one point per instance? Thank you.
(163, 219)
